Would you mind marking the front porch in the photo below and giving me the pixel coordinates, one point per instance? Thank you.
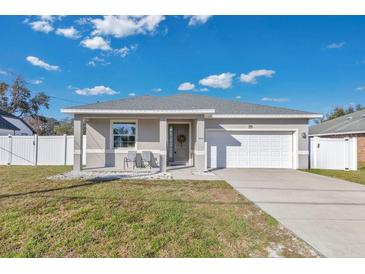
(171, 141)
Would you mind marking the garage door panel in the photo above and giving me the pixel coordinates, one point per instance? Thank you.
(250, 149)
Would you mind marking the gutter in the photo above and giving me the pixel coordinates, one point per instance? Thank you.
(127, 111)
(262, 116)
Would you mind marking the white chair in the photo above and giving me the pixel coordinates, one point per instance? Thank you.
(147, 158)
(131, 157)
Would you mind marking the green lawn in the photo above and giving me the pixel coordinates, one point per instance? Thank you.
(353, 176)
(42, 218)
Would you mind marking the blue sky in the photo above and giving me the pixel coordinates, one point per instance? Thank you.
(307, 63)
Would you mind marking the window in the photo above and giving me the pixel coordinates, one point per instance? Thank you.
(124, 134)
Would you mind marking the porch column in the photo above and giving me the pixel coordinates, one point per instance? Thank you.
(163, 144)
(200, 145)
(78, 136)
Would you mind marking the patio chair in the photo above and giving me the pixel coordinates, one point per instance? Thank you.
(131, 157)
(147, 158)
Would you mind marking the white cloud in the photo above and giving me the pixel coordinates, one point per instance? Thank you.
(35, 61)
(238, 97)
(197, 19)
(125, 51)
(204, 89)
(70, 32)
(276, 100)
(97, 90)
(337, 45)
(252, 75)
(96, 42)
(3, 72)
(157, 89)
(49, 18)
(223, 80)
(42, 26)
(123, 26)
(131, 94)
(83, 21)
(360, 88)
(186, 86)
(36, 82)
(95, 61)
(71, 87)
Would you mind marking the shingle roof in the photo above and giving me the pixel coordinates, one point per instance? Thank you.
(188, 102)
(6, 125)
(353, 122)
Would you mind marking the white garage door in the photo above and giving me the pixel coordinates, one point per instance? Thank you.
(237, 149)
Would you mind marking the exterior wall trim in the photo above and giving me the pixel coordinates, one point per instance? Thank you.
(251, 129)
(265, 116)
(118, 151)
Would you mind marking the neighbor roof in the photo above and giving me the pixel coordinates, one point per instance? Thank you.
(4, 124)
(7, 125)
(350, 123)
(183, 103)
(7, 114)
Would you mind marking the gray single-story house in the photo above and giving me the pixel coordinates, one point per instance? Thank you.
(201, 131)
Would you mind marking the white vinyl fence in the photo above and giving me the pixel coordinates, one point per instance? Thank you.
(333, 153)
(38, 150)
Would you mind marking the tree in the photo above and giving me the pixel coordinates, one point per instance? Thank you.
(64, 127)
(36, 103)
(3, 96)
(17, 99)
(339, 111)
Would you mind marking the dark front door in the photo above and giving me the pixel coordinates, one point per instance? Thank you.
(178, 143)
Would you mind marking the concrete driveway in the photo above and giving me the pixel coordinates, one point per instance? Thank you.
(327, 213)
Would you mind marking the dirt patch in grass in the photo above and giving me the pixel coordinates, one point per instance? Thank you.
(41, 218)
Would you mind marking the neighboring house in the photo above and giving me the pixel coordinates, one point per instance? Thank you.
(350, 125)
(202, 131)
(12, 125)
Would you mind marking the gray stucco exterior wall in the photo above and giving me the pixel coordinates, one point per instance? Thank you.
(100, 153)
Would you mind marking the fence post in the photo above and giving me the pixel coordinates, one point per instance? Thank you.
(35, 149)
(354, 153)
(346, 148)
(65, 147)
(314, 149)
(10, 146)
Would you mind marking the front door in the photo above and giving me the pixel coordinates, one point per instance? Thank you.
(178, 143)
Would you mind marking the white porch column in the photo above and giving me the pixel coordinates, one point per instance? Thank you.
(163, 144)
(199, 150)
(78, 138)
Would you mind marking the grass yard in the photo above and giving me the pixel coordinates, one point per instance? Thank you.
(42, 218)
(357, 176)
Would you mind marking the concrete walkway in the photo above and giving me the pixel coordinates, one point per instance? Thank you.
(327, 213)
